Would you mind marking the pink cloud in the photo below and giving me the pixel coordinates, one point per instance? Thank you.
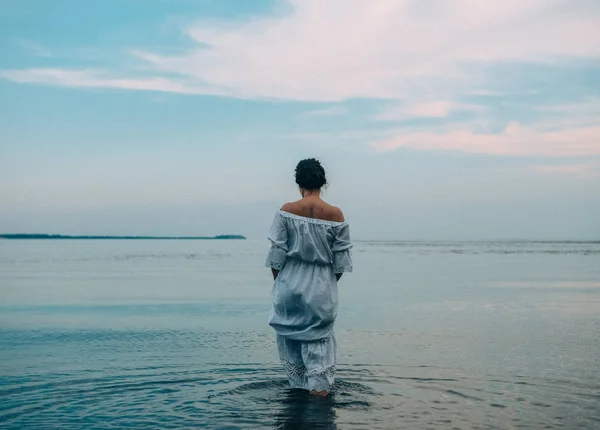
(515, 140)
(404, 50)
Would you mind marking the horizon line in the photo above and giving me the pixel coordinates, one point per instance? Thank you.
(46, 236)
(16, 236)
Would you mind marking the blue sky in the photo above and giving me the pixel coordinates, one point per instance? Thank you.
(447, 119)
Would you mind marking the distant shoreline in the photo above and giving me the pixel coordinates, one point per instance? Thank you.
(21, 236)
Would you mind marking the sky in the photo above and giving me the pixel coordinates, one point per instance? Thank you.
(435, 119)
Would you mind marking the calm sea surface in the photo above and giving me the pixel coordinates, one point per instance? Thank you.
(173, 334)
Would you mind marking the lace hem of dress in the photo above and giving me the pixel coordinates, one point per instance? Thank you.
(328, 372)
(318, 379)
(274, 264)
(293, 368)
(321, 380)
(342, 269)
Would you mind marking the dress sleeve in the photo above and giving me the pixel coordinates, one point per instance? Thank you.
(342, 258)
(278, 238)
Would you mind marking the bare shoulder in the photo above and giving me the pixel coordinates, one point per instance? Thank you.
(323, 210)
(289, 207)
(337, 214)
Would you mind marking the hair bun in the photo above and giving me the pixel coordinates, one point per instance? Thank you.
(310, 174)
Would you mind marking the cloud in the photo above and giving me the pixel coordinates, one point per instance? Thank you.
(315, 53)
(568, 169)
(515, 140)
(404, 49)
(100, 79)
(332, 111)
(433, 109)
(584, 113)
(33, 47)
(590, 105)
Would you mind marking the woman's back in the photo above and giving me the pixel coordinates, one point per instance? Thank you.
(311, 207)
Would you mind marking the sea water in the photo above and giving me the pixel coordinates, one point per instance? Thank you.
(100, 334)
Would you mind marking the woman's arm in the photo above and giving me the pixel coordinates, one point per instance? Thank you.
(278, 251)
(342, 260)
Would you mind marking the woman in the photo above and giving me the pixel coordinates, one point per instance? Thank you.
(310, 249)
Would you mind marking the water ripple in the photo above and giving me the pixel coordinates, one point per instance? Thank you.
(146, 395)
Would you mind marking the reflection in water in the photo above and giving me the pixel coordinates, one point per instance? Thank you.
(291, 408)
(296, 409)
(299, 410)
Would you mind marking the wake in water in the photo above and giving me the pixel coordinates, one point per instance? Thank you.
(296, 408)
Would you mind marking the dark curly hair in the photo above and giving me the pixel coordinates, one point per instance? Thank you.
(310, 175)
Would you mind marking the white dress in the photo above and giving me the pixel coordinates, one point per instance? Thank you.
(308, 252)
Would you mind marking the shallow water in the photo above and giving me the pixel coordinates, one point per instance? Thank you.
(173, 334)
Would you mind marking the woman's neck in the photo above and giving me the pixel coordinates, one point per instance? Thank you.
(312, 194)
